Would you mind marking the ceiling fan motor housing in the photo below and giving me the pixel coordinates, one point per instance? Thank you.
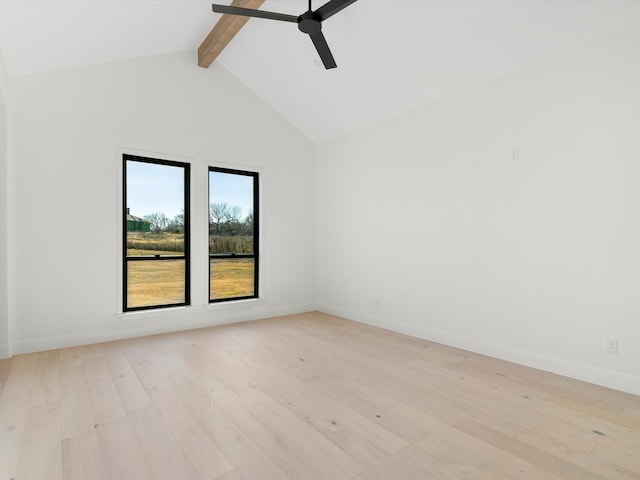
(309, 23)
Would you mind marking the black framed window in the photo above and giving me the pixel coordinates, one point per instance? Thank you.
(156, 221)
(233, 234)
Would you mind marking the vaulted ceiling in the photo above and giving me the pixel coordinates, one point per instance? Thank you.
(392, 55)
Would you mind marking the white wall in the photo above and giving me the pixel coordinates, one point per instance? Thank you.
(64, 229)
(4, 153)
(504, 220)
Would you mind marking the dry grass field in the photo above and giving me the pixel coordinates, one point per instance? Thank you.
(155, 282)
(167, 243)
(161, 282)
(231, 278)
(146, 243)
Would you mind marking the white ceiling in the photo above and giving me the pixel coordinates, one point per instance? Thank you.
(392, 55)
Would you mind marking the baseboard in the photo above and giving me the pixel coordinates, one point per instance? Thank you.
(173, 321)
(578, 371)
(5, 351)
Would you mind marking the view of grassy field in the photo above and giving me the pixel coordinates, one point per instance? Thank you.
(167, 243)
(161, 282)
(155, 282)
(231, 278)
(147, 243)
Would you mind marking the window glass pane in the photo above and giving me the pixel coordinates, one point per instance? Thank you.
(155, 209)
(230, 213)
(156, 233)
(231, 277)
(155, 282)
(233, 234)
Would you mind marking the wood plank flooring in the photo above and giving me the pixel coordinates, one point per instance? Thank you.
(304, 397)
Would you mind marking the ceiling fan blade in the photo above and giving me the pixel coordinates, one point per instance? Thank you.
(250, 12)
(323, 50)
(332, 7)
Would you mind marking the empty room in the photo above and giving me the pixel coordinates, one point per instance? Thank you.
(320, 239)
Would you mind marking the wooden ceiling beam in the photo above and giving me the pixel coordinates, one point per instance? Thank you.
(223, 32)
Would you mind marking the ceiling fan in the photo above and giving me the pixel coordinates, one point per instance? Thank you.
(310, 22)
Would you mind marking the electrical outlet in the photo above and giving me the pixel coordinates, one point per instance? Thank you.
(611, 345)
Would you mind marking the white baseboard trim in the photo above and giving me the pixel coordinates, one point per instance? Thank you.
(5, 351)
(199, 317)
(560, 366)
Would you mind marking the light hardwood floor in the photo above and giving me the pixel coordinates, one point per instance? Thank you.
(304, 397)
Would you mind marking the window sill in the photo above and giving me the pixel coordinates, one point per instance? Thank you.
(187, 309)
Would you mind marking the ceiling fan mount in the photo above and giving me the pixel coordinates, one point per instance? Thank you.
(310, 22)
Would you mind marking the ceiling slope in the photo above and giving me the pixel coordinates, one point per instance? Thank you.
(393, 55)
